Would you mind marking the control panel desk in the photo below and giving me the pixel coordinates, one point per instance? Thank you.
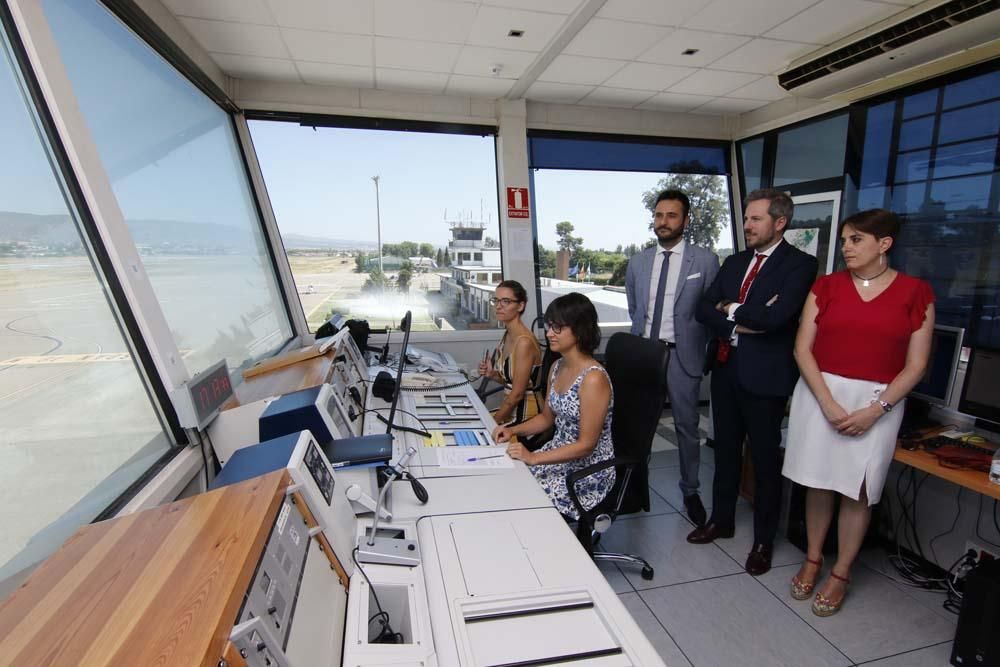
(973, 480)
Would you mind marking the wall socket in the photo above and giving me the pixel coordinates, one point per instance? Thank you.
(983, 551)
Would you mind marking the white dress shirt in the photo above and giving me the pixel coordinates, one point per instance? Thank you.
(734, 339)
(673, 275)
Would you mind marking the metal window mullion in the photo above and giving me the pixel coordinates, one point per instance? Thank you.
(95, 184)
(271, 232)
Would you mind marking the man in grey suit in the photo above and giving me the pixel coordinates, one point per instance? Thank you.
(664, 284)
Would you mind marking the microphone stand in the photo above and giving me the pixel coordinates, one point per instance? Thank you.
(391, 550)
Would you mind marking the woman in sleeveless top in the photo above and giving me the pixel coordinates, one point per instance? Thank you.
(579, 404)
(516, 362)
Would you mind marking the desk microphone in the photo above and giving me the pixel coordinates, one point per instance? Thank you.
(393, 471)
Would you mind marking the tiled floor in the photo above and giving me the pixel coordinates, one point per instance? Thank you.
(702, 609)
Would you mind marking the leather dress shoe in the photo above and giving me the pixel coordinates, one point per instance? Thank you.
(759, 560)
(695, 510)
(709, 533)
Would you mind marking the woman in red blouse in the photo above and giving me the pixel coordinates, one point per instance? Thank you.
(862, 345)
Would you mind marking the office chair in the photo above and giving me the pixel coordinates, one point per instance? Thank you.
(638, 370)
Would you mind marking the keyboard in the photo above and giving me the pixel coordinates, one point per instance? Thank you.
(938, 441)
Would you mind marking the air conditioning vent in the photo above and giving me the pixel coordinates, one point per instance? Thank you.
(939, 19)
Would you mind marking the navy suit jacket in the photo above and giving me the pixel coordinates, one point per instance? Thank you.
(765, 364)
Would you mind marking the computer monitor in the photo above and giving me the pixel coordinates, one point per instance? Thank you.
(981, 390)
(946, 349)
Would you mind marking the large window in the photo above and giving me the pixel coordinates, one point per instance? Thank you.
(930, 154)
(180, 180)
(76, 424)
(594, 199)
(378, 222)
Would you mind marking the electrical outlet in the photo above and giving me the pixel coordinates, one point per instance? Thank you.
(983, 551)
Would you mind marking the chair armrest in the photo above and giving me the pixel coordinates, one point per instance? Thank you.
(576, 476)
(482, 392)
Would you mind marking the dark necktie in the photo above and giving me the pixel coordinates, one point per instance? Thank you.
(661, 291)
(750, 276)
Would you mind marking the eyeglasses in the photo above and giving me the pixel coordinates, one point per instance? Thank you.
(555, 327)
(503, 302)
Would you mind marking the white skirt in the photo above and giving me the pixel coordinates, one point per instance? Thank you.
(817, 456)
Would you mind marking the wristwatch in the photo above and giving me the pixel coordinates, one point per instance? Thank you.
(886, 405)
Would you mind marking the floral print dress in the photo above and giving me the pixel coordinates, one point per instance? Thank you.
(552, 477)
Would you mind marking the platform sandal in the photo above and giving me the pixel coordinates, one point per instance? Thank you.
(824, 606)
(801, 590)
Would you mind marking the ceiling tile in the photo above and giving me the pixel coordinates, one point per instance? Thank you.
(429, 20)
(577, 69)
(252, 67)
(329, 47)
(829, 20)
(765, 88)
(711, 46)
(410, 81)
(616, 97)
(645, 76)
(763, 56)
(659, 12)
(478, 86)
(712, 82)
(333, 15)
(238, 38)
(553, 6)
(477, 60)
(560, 93)
(674, 102)
(604, 38)
(493, 23)
(327, 74)
(243, 11)
(729, 106)
(745, 18)
(423, 56)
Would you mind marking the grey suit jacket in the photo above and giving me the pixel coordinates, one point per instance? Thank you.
(698, 269)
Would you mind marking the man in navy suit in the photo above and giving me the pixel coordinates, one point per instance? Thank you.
(664, 284)
(753, 309)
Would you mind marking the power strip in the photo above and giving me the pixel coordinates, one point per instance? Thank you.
(983, 551)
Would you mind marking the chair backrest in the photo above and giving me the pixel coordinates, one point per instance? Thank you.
(638, 371)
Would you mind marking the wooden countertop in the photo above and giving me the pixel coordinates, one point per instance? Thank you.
(300, 375)
(970, 479)
(160, 587)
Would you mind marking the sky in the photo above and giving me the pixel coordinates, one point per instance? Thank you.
(319, 183)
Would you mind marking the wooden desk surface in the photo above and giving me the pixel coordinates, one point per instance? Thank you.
(970, 479)
(300, 375)
(159, 587)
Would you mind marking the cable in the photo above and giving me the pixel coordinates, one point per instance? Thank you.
(958, 513)
(400, 410)
(979, 518)
(386, 635)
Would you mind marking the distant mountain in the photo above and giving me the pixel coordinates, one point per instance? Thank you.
(303, 242)
(158, 235)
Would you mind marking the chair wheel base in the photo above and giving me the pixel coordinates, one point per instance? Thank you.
(647, 573)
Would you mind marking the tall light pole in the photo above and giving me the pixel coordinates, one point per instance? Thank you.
(378, 224)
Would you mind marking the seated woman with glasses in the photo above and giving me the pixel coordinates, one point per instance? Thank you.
(516, 362)
(579, 404)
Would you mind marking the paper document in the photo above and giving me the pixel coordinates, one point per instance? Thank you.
(485, 457)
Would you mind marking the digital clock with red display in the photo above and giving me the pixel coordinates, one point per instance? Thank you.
(205, 393)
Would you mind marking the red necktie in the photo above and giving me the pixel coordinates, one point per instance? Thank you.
(722, 354)
(750, 276)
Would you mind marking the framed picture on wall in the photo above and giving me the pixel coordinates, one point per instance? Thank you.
(814, 227)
